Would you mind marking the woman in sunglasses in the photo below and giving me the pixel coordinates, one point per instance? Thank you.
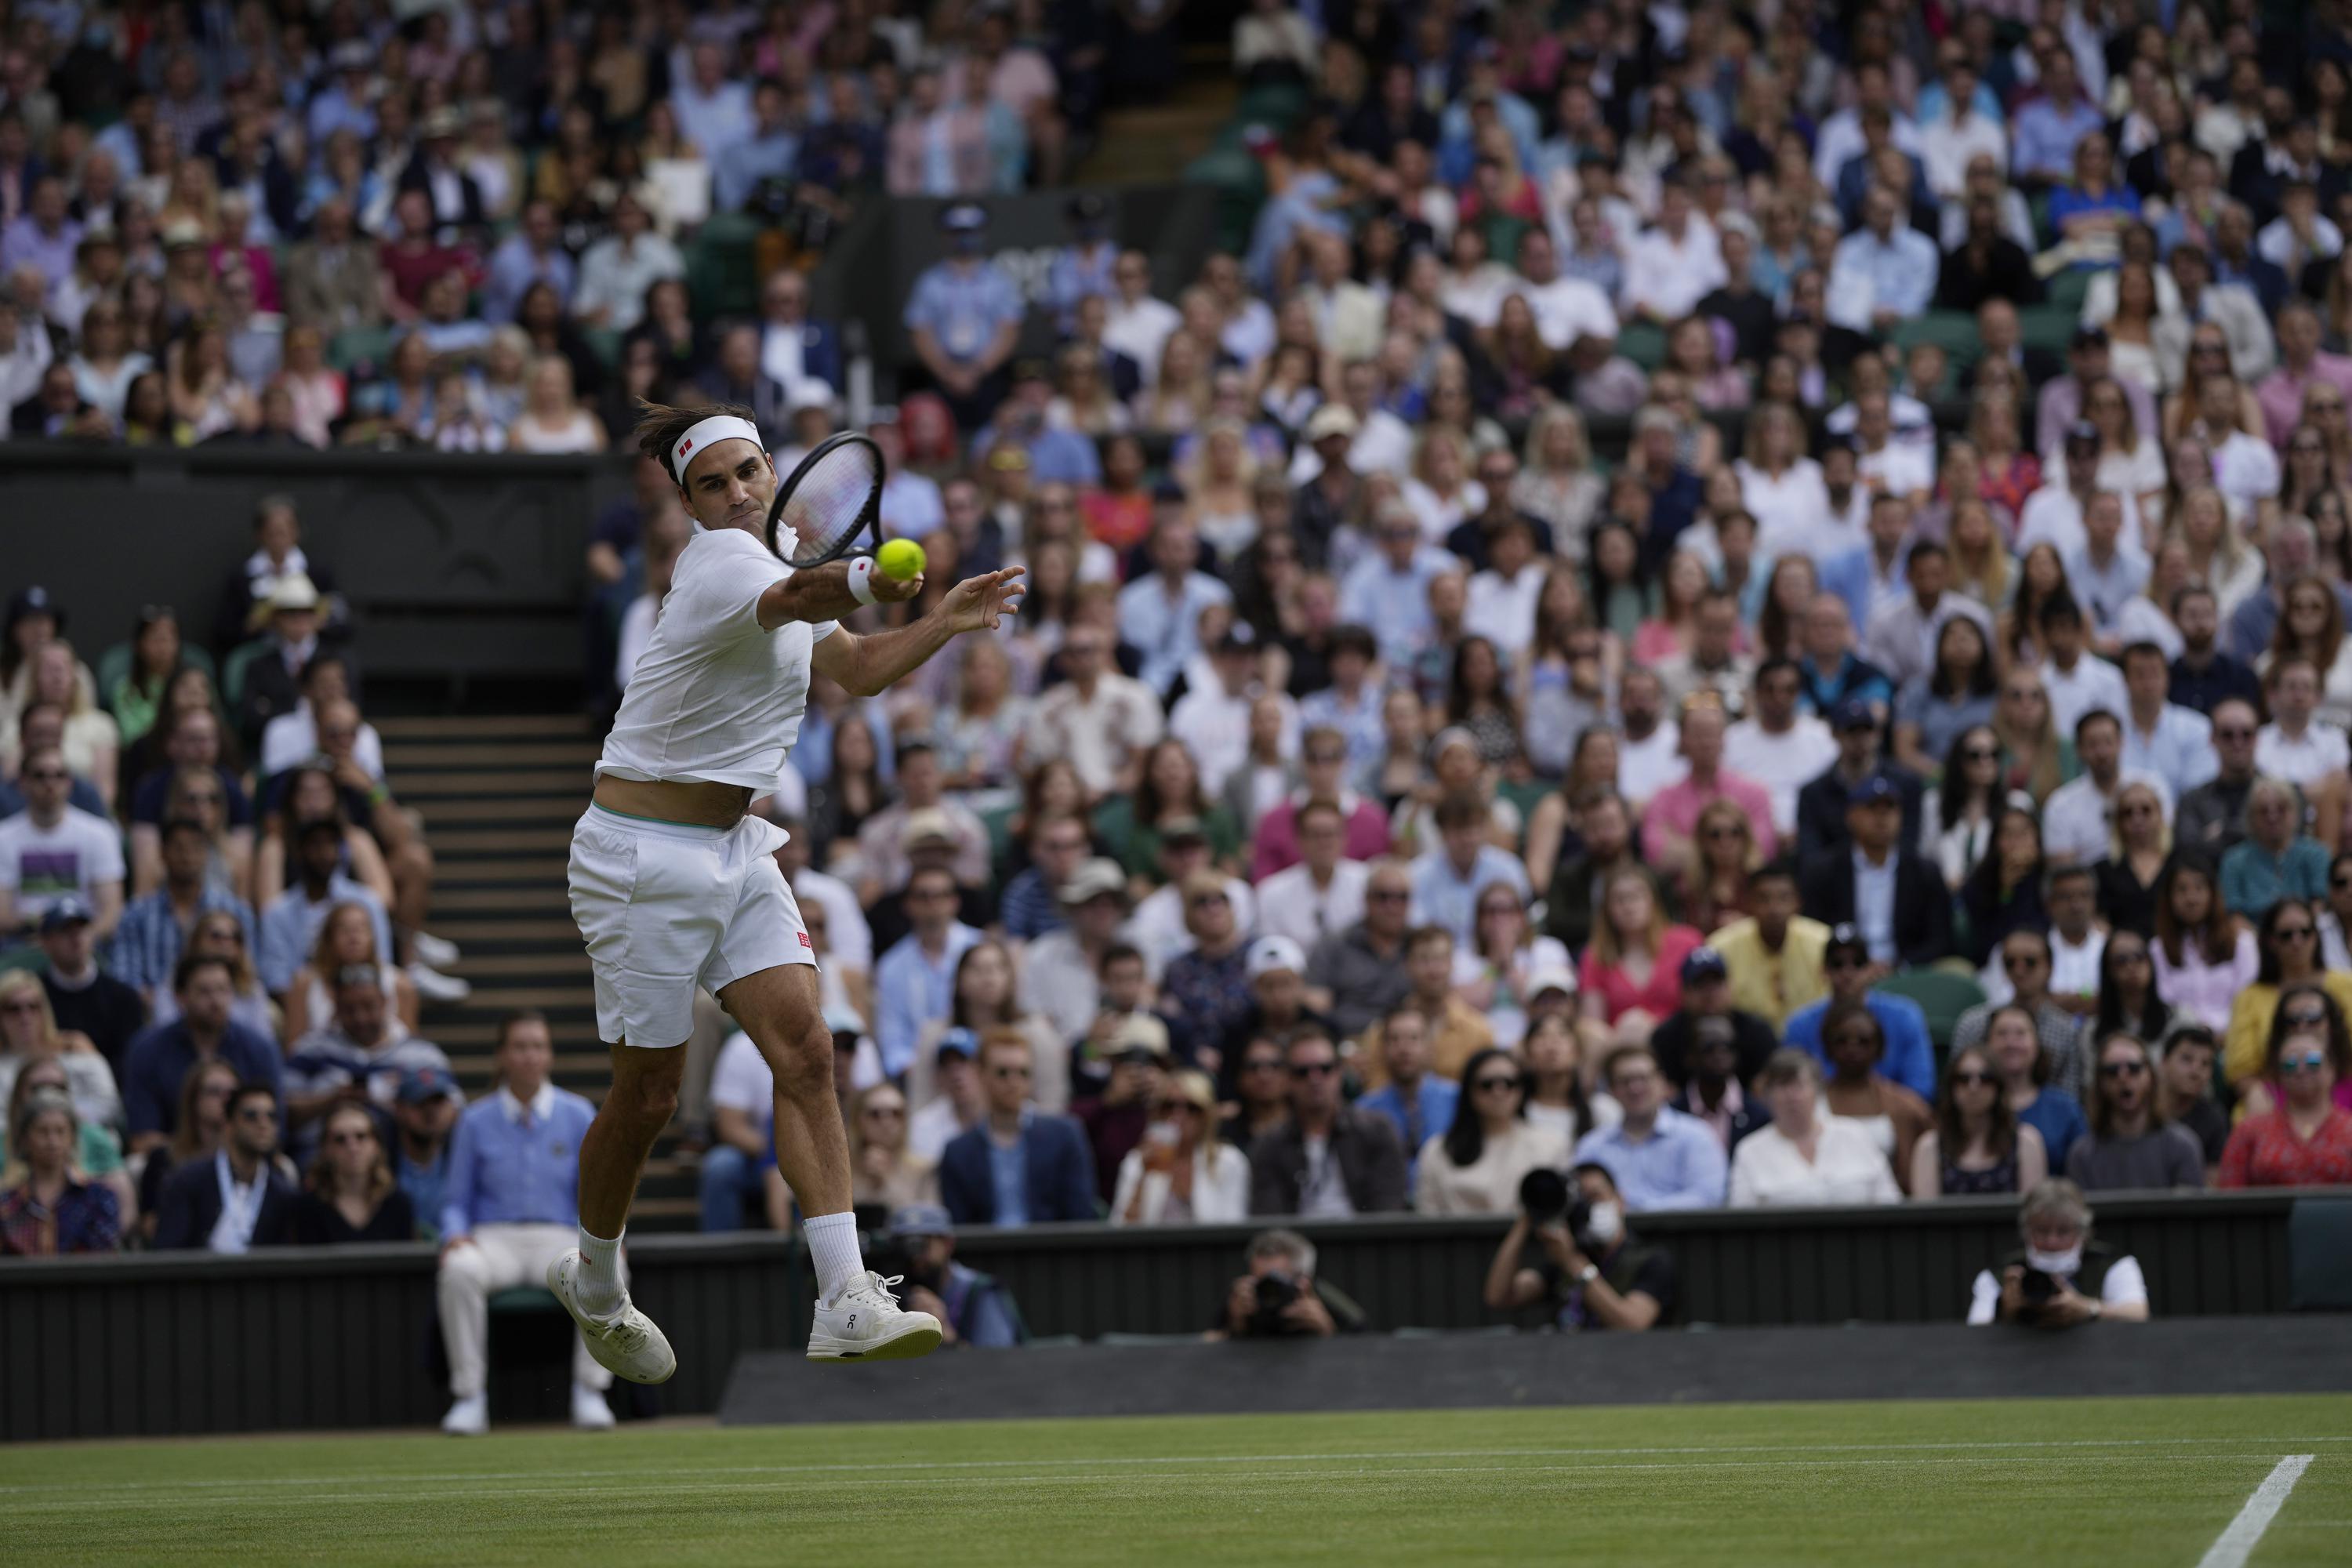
(350, 1194)
(2306, 1141)
(1183, 1172)
(2136, 859)
(1476, 1165)
(2289, 943)
(1978, 1146)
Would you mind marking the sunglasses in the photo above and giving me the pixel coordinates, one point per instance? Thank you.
(1980, 755)
(2307, 1018)
(888, 1112)
(256, 1113)
(1313, 1070)
(1488, 1085)
(1973, 1078)
(2309, 1061)
(2021, 961)
(2122, 1069)
(341, 1138)
(2294, 933)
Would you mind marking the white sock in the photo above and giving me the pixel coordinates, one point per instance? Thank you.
(833, 1248)
(600, 1271)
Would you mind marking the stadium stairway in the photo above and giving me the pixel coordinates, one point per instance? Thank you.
(498, 796)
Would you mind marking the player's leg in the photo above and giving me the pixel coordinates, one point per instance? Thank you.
(857, 1317)
(589, 1280)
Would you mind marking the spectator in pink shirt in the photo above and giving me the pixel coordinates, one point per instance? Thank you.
(1673, 814)
(2301, 363)
(1323, 767)
(1635, 960)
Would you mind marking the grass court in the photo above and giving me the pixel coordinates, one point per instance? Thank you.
(2121, 1482)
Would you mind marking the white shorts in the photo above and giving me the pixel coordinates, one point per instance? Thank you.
(666, 908)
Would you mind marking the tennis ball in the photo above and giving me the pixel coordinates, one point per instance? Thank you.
(899, 560)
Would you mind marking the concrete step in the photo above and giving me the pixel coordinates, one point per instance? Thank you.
(483, 726)
(467, 873)
(455, 843)
(415, 785)
(482, 809)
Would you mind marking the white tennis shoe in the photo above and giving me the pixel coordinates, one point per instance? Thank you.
(865, 1322)
(625, 1341)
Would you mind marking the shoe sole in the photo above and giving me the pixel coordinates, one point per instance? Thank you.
(619, 1368)
(907, 1344)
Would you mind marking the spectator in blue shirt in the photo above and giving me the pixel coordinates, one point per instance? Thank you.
(1448, 879)
(1159, 614)
(1910, 1059)
(425, 1113)
(2042, 150)
(1388, 590)
(964, 317)
(914, 982)
(290, 925)
(509, 1209)
(159, 1059)
(772, 152)
(1418, 1103)
(1659, 1157)
(1884, 272)
(155, 927)
(532, 254)
(1056, 455)
(1084, 266)
(2276, 860)
(1019, 1166)
(2094, 209)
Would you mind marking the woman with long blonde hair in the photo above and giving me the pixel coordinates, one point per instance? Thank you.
(1557, 481)
(29, 1034)
(1723, 851)
(2034, 757)
(1216, 477)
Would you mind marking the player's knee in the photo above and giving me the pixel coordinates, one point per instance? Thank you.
(648, 1102)
(804, 1067)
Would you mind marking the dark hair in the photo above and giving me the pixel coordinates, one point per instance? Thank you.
(249, 1089)
(1980, 679)
(2101, 1109)
(179, 825)
(1982, 889)
(192, 963)
(2339, 1039)
(1466, 1140)
(1930, 547)
(1952, 797)
(1841, 1014)
(2156, 1012)
(2095, 716)
(510, 1022)
(2218, 939)
(2266, 939)
(957, 1015)
(1951, 1138)
(1458, 695)
(1461, 808)
(2058, 610)
(1596, 586)
(1118, 952)
(1782, 869)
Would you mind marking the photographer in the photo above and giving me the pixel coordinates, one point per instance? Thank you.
(972, 1307)
(1281, 1298)
(2062, 1278)
(1582, 1259)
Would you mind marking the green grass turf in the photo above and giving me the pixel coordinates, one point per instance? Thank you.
(2146, 1481)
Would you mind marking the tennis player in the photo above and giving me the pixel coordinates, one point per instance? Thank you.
(675, 884)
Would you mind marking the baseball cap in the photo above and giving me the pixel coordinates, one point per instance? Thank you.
(66, 911)
(1854, 713)
(1702, 964)
(418, 1085)
(961, 1042)
(1092, 879)
(1140, 1034)
(964, 218)
(1331, 419)
(1873, 791)
(1268, 954)
(1847, 935)
(1553, 977)
(926, 824)
(1452, 735)
(916, 1220)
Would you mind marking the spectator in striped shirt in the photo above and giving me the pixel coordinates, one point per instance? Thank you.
(156, 926)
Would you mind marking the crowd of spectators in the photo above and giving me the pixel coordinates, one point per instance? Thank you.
(211, 926)
(469, 226)
(1914, 765)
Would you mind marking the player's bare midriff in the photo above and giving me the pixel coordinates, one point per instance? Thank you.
(695, 803)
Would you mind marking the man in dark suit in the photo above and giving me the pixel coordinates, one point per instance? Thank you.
(1822, 804)
(433, 169)
(235, 1200)
(1358, 1165)
(1898, 901)
(1019, 1166)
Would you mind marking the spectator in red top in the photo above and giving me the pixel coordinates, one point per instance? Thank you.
(1635, 959)
(2305, 1142)
(416, 258)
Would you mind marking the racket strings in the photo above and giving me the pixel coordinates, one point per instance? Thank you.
(830, 503)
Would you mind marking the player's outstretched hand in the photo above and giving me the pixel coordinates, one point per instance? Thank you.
(889, 590)
(983, 602)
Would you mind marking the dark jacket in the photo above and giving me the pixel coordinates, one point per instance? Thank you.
(191, 1206)
(1922, 904)
(1820, 809)
(106, 1010)
(1061, 1172)
(1371, 1165)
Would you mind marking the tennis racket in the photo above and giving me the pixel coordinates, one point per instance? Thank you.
(829, 503)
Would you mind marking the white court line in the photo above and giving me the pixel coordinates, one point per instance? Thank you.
(75, 1503)
(244, 1484)
(2237, 1542)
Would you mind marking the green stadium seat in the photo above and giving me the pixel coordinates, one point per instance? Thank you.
(2067, 290)
(232, 680)
(1642, 344)
(1275, 105)
(1941, 996)
(1955, 331)
(722, 267)
(2047, 326)
(31, 960)
(114, 665)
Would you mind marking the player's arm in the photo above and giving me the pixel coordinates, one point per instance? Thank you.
(864, 665)
(815, 594)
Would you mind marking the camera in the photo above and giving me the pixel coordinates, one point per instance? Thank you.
(1547, 1197)
(1276, 1289)
(2038, 1289)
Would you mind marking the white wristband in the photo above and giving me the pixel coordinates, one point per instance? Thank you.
(861, 580)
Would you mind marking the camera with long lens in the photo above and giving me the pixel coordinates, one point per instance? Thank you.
(1276, 1289)
(1547, 1197)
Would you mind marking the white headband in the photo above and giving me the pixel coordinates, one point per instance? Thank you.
(703, 433)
